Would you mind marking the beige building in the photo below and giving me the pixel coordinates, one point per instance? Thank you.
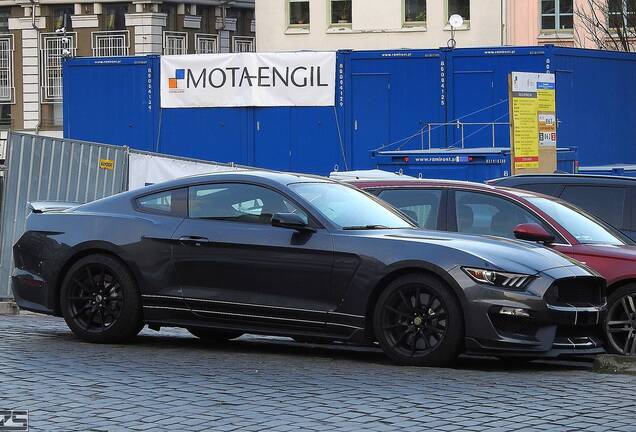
(377, 24)
(392, 24)
(35, 36)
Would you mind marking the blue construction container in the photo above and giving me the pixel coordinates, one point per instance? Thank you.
(614, 170)
(477, 165)
(391, 101)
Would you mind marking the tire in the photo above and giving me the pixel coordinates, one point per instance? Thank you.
(428, 332)
(620, 322)
(100, 301)
(212, 335)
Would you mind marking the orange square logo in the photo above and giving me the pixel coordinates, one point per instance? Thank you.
(172, 83)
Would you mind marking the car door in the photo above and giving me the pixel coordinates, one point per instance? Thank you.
(234, 266)
(426, 206)
(483, 213)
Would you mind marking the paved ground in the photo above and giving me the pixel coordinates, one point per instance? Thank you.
(171, 381)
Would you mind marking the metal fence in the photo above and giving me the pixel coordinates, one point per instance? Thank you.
(52, 169)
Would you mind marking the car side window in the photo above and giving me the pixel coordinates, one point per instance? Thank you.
(486, 214)
(421, 205)
(607, 203)
(170, 203)
(238, 202)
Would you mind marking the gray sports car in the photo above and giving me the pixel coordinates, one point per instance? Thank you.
(301, 256)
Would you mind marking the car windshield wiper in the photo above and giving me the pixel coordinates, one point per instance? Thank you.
(366, 227)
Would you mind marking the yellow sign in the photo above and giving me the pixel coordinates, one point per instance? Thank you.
(107, 164)
(526, 131)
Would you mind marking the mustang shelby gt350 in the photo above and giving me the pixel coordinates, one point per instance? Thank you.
(301, 256)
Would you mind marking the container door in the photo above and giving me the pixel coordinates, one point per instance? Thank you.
(473, 99)
(371, 116)
(272, 138)
(565, 117)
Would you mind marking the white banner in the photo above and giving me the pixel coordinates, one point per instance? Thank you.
(248, 79)
(145, 170)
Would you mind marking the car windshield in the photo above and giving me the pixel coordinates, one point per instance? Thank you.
(585, 228)
(349, 208)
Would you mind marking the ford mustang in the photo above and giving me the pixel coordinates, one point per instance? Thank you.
(273, 253)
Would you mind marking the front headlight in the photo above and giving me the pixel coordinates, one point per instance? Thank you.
(499, 279)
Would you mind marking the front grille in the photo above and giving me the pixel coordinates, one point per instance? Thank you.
(580, 291)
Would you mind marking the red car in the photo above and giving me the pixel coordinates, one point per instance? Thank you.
(474, 208)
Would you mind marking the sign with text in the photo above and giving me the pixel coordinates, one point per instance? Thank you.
(533, 121)
(248, 80)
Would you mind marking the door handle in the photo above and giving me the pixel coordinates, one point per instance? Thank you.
(196, 240)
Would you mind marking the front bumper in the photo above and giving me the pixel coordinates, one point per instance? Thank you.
(540, 321)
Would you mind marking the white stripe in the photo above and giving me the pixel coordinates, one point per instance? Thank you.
(250, 304)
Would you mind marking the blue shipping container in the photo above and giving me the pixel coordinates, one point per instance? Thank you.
(476, 164)
(391, 101)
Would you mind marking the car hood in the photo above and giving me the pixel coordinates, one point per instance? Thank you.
(622, 252)
(496, 252)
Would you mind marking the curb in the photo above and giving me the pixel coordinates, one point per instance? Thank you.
(615, 364)
(8, 308)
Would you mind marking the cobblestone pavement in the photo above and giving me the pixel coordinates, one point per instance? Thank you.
(171, 381)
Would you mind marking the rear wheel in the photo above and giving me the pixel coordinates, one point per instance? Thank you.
(419, 322)
(212, 335)
(620, 324)
(99, 300)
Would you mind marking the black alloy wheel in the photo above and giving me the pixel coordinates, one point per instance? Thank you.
(99, 300)
(620, 325)
(419, 322)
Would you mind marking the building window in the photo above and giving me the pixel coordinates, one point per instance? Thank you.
(62, 17)
(170, 9)
(414, 12)
(298, 13)
(175, 43)
(340, 12)
(110, 43)
(206, 43)
(5, 13)
(459, 7)
(53, 48)
(243, 44)
(622, 14)
(557, 15)
(6, 69)
(115, 16)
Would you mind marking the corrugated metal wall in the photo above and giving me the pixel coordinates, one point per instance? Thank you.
(51, 169)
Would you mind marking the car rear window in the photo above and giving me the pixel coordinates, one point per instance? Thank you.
(544, 188)
(170, 203)
(607, 203)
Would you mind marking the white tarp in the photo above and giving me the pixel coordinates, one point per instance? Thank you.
(145, 169)
(248, 79)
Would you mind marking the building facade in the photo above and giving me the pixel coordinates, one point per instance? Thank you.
(36, 35)
(287, 25)
(604, 24)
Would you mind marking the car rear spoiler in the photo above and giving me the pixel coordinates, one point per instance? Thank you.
(51, 206)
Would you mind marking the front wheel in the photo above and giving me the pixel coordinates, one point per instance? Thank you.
(99, 300)
(419, 322)
(620, 324)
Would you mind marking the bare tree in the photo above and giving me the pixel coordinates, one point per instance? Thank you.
(608, 24)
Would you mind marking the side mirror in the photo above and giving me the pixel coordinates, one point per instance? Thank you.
(533, 232)
(291, 221)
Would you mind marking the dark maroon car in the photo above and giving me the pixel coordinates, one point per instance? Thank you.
(474, 208)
